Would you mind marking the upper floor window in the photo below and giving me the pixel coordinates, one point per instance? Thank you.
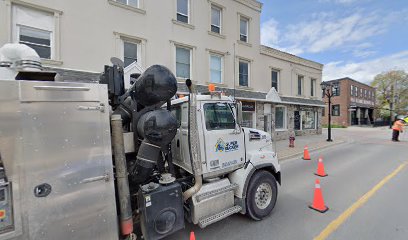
(218, 116)
(183, 10)
(183, 62)
(336, 90)
(36, 29)
(129, 52)
(215, 19)
(361, 92)
(132, 3)
(300, 85)
(275, 79)
(243, 29)
(37, 39)
(335, 110)
(243, 73)
(312, 87)
(351, 90)
(216, 68)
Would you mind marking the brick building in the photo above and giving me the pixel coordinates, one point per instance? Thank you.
(353, 103)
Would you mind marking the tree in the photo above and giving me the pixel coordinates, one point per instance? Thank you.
(392, 92)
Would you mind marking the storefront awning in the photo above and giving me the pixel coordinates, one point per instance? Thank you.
(303, 101)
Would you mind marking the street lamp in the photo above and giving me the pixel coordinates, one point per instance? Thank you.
(328, 92)
(392, 101)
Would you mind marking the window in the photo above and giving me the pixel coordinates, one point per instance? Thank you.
(36, 29)
(218, 116)
(275, 80)
(183, 11)
(248, 119)
(243, 29)
(323, 112)
(176, 111)
(336, 90)
(351, 90)
(280, 118)
(335, 110)
(243, 73)
(300, 85)
(215, 19)
(183, 62)
(37, 39)
(312, 87)
(132, 3)
(308, 120)
(129, 53)
(215, 68)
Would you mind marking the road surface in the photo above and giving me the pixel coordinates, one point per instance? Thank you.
(366, 191)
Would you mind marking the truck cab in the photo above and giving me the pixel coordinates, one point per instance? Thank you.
(239, 158)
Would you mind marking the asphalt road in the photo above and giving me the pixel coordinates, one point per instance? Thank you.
(366, 164)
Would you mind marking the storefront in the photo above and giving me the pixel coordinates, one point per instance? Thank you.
(287, 115)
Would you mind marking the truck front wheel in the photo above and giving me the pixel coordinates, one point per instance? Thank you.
(261, 195)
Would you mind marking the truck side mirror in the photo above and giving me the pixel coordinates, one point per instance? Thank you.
(239, 113)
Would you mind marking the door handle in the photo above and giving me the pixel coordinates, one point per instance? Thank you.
(61, 88)
(104, 177)
(101, 108)
(42, 190)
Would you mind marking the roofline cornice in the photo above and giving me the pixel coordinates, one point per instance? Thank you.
(290, 57)
(255, 5)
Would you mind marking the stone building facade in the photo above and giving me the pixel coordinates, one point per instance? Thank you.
(215, 41)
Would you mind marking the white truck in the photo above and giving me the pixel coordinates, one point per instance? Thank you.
(96, 161)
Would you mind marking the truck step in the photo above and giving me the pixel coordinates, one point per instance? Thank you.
(218, 216)
(215, 192)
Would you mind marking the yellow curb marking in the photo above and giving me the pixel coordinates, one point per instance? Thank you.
(346, 214)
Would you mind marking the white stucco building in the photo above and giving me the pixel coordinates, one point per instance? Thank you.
(208, 41)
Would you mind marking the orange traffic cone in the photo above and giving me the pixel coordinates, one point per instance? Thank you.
(306, 155)
(192, 236)
(320, 168)
(318, 202)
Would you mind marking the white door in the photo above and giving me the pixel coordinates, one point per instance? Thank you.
(224, 142)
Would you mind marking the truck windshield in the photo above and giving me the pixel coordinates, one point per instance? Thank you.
(218, 116)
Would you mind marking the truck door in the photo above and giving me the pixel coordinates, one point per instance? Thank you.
(66, 161)
(224, 140)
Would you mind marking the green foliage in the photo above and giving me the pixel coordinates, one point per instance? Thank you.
(392, 92)
(333, 126)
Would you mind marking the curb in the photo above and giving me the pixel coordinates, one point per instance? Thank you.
(310, 150)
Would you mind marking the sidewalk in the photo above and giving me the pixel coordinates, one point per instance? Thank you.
(313, 142)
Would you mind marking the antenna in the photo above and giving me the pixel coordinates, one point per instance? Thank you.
(234, 72)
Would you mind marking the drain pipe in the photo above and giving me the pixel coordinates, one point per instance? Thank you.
(198, 179)
(125, 210)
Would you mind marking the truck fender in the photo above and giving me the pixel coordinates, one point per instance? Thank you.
(242, 176)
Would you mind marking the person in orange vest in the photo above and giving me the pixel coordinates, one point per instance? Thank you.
(397, 128)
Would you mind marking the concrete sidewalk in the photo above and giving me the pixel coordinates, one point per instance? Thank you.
(313, 142)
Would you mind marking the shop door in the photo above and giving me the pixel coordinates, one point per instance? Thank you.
(297, 120)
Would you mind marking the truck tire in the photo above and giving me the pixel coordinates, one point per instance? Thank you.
(261, 195)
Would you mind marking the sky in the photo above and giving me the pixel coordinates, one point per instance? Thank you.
(352, 38)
